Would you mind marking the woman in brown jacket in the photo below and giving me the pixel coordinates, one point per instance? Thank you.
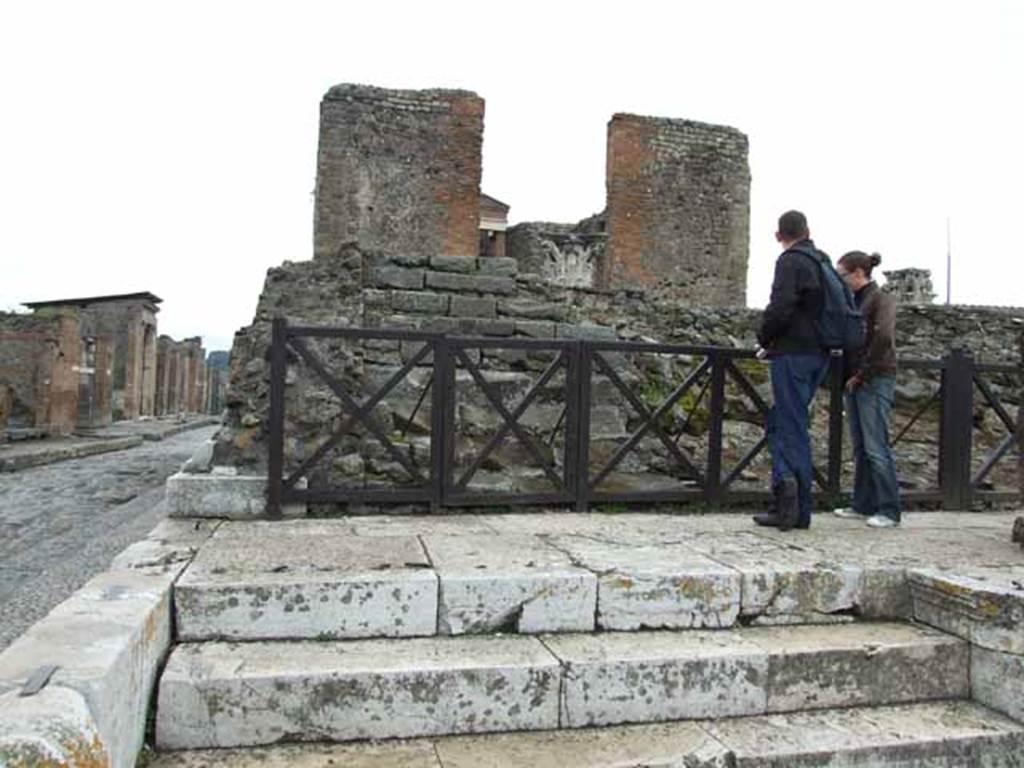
(869, 396)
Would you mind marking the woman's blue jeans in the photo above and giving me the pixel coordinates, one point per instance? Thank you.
(876, 490)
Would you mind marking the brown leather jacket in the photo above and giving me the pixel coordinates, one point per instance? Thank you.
(878, 355)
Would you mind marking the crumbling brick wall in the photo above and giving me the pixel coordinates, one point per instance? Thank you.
(399, 171)
(678, 208)
(39, 357)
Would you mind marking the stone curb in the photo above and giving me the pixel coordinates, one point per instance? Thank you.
(107, 642)
(25, 461)
(223, 494)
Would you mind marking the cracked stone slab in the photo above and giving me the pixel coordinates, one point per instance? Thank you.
(997, 680)
(672, 745)
(513, 583)
(655, 585)
(983, 605)
(634, 525)
(934, 735)
(301, 582)
(417, 753)
(863, 664)
(234, 694)
(108, 640)
(637, 677)
(783, 581)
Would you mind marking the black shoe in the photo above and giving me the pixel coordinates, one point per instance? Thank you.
(789, 503)
(768, 519)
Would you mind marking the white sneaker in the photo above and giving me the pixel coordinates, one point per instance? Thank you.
(881, 521)
(847, 512)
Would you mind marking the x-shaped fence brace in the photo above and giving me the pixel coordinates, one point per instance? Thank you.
(1008, 423)
(357, 413)
(510, 420)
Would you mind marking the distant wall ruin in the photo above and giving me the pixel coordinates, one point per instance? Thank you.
(399, 171)
(678, 208)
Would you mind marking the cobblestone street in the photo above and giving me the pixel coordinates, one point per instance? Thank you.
(62, 523)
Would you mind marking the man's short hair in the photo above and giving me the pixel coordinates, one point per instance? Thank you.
(793, 225)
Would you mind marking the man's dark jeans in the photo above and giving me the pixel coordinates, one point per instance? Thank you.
(876, 490)
(795, 379)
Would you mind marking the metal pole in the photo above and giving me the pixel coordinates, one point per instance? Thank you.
(949, 266)
(713, 478)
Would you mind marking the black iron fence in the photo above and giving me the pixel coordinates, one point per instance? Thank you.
(568, 373)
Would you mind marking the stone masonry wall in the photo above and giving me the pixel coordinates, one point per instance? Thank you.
(399, 171)
(39, 359)
(678, 208)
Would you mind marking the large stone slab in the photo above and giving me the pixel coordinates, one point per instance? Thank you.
(870, 664)
(654, 676)
(288, 581)
(108, 640)
(637, 677)
(935, 735)
(227, 694)
(222, 494)
(655, 585)
(997, 680)
(983, 605)
(513, 583)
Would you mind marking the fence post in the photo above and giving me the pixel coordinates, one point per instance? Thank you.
(439, 436)
(1020, 424)
(275, 462)
(955, 433)
(583, 394)
(713, 477)
(835, 428)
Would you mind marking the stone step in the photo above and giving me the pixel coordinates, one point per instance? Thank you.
(244, 694)
(337, 579)
(948, 734)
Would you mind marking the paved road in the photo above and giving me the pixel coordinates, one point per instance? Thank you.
(62, 523)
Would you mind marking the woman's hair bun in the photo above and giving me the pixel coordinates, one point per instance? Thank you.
(876, 259)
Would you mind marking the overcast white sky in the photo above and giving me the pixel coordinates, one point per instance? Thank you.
(171, 147)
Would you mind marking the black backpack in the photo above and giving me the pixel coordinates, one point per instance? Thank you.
(841, 325)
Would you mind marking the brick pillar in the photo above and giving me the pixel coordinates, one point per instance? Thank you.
(398, 172)
(678, 208)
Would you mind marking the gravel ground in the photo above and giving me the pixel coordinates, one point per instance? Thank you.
(61, 524)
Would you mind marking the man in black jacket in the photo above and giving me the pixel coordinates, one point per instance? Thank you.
(789, 334)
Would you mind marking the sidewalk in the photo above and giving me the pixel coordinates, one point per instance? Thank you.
(116, 437)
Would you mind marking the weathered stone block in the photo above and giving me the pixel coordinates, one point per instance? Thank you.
(376, 299)
(420, 301)
(948, 734)
(504, 266)
(509, 583)
(851, 665)
(238, 497)
(464, 264)
(985, 607)
(298, 583)
(449, 281)
(215, 694)
(473, 306)
(997, 681)
(535, 329)
(533, 310)
(53, 727)
(108, 640)
(397, 277)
